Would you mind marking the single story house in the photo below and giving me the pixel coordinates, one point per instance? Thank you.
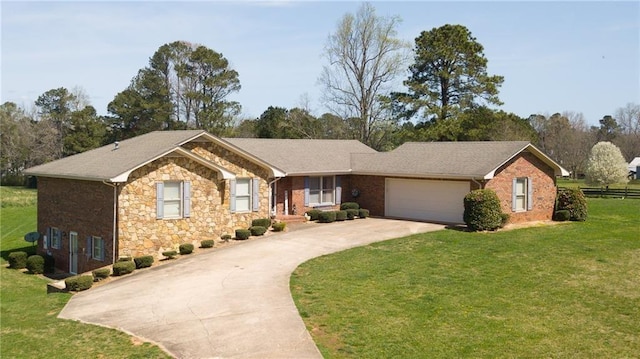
(148, 194)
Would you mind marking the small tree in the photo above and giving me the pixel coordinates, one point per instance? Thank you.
(606, 165)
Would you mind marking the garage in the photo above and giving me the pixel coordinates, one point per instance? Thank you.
(426, 200)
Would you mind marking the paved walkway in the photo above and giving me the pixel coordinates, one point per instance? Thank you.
(233, 302)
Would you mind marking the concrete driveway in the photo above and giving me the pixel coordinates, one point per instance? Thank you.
(232, 302)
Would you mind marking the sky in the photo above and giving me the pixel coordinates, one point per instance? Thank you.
(582, 57)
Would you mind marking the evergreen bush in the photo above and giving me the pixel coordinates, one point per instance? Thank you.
(170, 254)
(314, 214)
(482, 211)
(35, 264)
(207, 243)
(185, 248)
(243, 234)
(352, 213)
(572, 200)
(17, 260)
(349, 205)
(143, 261)
(261, 222)
(279, 226)
(363, 213)
(79, 283)
(225, 237)
(341, 215)
(257, 230)
(100, 274)
(123, 267)
(561, 215)
(327, 217)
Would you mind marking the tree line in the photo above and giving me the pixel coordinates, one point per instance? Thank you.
(447, 96)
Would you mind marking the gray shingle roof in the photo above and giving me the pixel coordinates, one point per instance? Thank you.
(303, 156)
(440, 159)
(106, 163)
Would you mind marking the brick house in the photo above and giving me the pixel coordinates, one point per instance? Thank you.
(149, 194)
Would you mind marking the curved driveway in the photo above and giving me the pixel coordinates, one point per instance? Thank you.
(232, 302)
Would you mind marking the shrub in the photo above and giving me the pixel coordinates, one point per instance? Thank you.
(226, 237)
(349, 205)
(562, 215)
(327, 217)
(143, 261)
(572, 200)
(123, 267)
(79, 283)
(279, 226)
(257, 230)
(49, 264)
(341, 215)
(242, 234)
(482, 210)
(17, 260)
(352, 213)
(363, 213)
(125, 259)
(207, 243)
(314, 214)
(35, 264)
(100, 274)
(170, 254)
(261, 222)
(505, 219)
(185, 248)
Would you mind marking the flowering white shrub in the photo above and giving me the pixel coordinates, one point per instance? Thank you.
(606, 165)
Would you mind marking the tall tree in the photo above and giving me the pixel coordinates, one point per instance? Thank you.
(87, 131)
(55, 106)
(628, 138)
(15, 143)
(608, 129)
(606, 165)
(364, 58)
(448, 76)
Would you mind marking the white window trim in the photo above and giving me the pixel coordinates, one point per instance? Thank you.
(322, 190)
(184, 210)
(527, 196)
(179, 200)
(248, 196)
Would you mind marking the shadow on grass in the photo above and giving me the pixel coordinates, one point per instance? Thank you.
(30, 250)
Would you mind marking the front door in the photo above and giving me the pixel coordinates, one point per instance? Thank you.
(73, 252)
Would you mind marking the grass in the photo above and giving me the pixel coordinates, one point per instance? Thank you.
(570, 290)
(29, 327)
(571, 183)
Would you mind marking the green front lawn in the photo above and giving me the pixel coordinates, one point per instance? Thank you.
(29, 327)
(569, 290)
(571, 183)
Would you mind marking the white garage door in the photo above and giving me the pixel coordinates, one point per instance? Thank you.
(438, 201)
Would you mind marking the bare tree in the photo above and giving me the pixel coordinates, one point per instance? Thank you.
(629, 139)
(364, 59)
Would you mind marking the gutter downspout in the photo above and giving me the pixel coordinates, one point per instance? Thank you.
(115, 217)
(480, 185)
(271, 196)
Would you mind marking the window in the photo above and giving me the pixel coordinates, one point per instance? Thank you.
(521, 197)
(56, 238)
(322, 190)
(173, 199)
(97, 250)
(244, 194)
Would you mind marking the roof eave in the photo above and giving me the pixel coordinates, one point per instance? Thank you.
(420, 175)
(557, 169)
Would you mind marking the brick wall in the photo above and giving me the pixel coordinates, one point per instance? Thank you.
(544, 187)
(371, 189)
(84, 207)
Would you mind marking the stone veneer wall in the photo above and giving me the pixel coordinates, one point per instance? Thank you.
(84, 207)
(544, 187)
(142, 234)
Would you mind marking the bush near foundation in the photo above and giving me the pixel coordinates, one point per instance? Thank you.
(35, 264)
(185, 248)
(363, 213)
(123, 267)
(242, 234)
(257, 230)
(143, 261)
(349, 205)
(79, 283)
(572, 200)
(482, 211)
(170, 254)
(561, 215)
(100, 274)
(17, 260)
(261, 222)
(314, 214)
(207, 243)
(352, 213)
(279, 226)
(327, 217)
(341, 215)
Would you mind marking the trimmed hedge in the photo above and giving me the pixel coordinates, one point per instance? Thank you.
(363, 213)
(243, 234)
(349, 205)
(314, 214)
(225, 237)
(261, 222)
(562, 215)
(143, 261)
(572, 200)
(79, 283)
(123, 267)
(170, 254)
(327, 217)
(352, 213)
(35, 264)
(279, 226)
(257, 230)
(125, 259)
(341, 215)
(100, 274)
(482, 211)
(185, 248)
(207, 243)
(17, 260)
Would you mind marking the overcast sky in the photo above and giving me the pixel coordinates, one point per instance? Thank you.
(554, 56)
